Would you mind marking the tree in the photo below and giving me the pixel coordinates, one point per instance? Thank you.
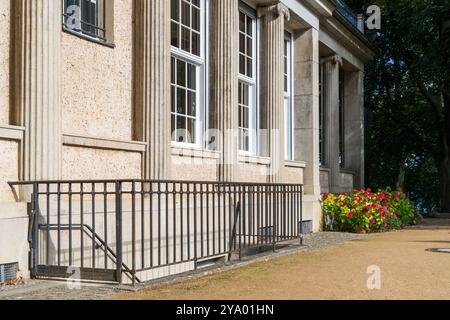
(408, 98)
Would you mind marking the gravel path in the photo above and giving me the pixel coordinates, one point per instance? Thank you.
(403, 261)
(50, 290)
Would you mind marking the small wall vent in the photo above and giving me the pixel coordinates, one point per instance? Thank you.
(8, 272)
(306, 227)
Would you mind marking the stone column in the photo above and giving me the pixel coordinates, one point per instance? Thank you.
(224, 84)
(37, 96)
(354, 125)
(152, 84)
(331, 67)
(306, 107)
(272, 82)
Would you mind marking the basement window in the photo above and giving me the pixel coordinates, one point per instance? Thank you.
(91, 19)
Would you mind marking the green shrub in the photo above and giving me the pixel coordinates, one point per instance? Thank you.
(364, 211)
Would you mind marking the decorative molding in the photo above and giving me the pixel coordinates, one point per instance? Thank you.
(334, 59)
(276, 9)
(102, 143)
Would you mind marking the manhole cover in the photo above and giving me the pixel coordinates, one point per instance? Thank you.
(442, 250)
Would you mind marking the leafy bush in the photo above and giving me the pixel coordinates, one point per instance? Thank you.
(364, 211)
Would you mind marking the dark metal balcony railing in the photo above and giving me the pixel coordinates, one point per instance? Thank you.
(346, 12)
(110, 228)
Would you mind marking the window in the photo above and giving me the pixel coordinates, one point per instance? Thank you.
(86, 17)
(288, 105)
(341, 118)
(247, 80)
(188, 70)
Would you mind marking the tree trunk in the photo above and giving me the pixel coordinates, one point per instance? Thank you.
(444, 169)
(444, 177)
(401, 178)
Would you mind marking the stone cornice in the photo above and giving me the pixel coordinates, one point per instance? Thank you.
(276, 9)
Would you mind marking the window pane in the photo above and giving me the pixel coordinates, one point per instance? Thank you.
(242, 22)
(173, 70)
(175, 35)
(242, 43)
(185, 39)
(249, 47)
(185, 13)
(195, 43)
(192, 77)
(196, 19)
(175, 9)
(241, 64)
(181, 73)
(181, 129)
(192, 104)
(181, 101)
(191, 130)
(249, 26)
(174, 98)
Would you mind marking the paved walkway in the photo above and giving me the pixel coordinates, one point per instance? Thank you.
(331, 268)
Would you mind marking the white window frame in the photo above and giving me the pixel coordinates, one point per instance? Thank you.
(251, 82)
(288, 99)
(201, 63)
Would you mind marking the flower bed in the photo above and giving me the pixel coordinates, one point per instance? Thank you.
(364, 211)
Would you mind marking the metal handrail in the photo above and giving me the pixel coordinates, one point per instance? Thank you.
(81, 227)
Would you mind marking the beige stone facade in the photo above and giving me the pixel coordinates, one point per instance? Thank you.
(77, 106)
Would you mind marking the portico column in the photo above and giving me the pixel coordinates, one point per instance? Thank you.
(224, 84)
(37, 97)
(331, 67)
(272, 81)
(306, 108)
(354, 125)
(152, 85)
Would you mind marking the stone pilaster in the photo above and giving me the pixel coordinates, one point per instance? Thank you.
(272, 98)
(354, 125)
(152, 84)
(331, 67)
(37, 96)
(306, 108)
(224, 83)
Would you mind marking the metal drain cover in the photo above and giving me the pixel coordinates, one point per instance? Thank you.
(441, 250)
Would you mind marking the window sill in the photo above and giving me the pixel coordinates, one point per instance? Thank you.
(87, 38)
(295, 164)
(194, 152)
(254, 159)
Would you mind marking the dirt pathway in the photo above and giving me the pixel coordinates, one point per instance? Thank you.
(408, 271)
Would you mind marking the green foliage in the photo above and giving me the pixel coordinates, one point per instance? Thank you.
(404, 130)
(364, 211)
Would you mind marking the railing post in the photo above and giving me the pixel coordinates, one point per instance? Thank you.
(119, 261)
(274, 216)
(33, 232)
(301, 215)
